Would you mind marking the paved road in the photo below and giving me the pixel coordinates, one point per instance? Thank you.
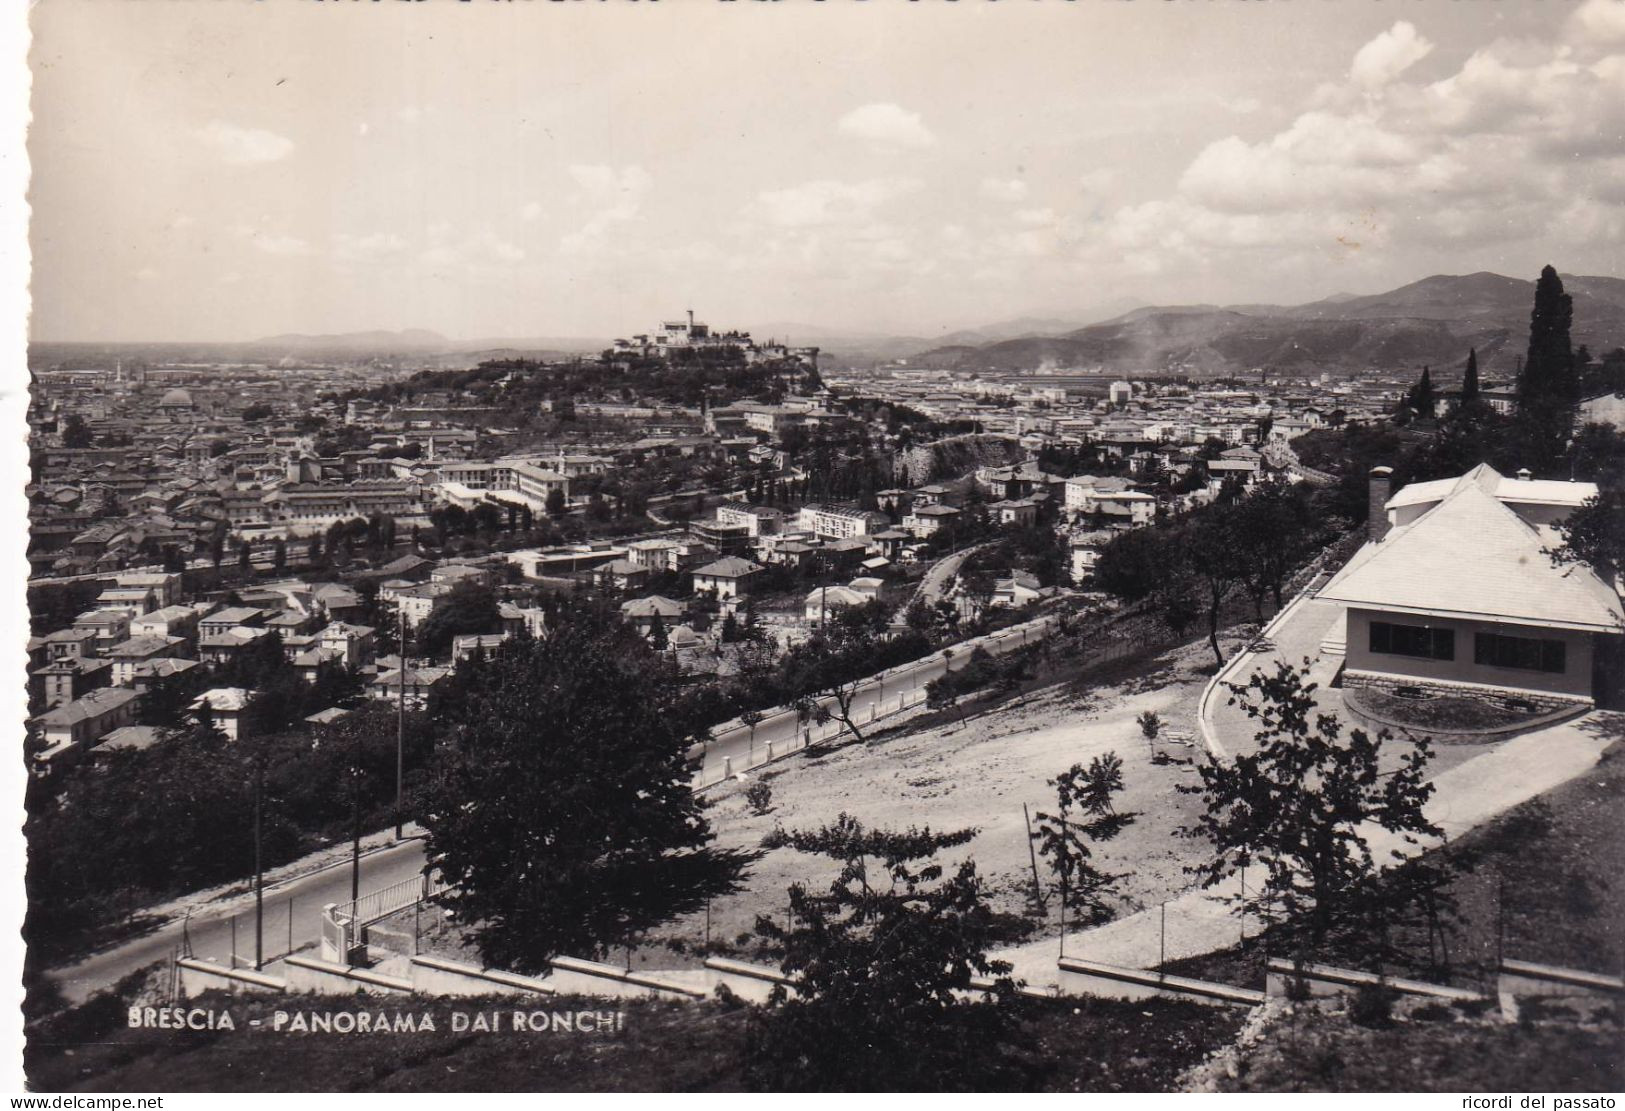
(212, 932)
(736, 746)
(941, 575)
(211, 929)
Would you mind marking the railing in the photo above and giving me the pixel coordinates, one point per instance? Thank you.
(343, 923)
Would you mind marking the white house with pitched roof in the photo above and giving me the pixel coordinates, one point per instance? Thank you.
(1457, 593)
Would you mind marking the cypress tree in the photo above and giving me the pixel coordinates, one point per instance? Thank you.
(1549, 365)
(1469, 381)
(1424, 401)
(1546, 393)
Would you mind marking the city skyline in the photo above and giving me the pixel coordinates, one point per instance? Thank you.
(485, 172)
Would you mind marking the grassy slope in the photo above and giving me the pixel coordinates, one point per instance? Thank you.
(1557, 861)
(1313, 1050)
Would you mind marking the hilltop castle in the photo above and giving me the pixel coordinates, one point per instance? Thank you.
(677, 335)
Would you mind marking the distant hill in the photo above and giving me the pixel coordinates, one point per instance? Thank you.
(859, 345)
(1433, 321)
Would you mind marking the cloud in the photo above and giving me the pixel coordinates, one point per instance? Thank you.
(359, 248)
(1389, 55)
(615, 197)
(480, 251)
(828, 202)
(245, 146)
(1097, 180)
(999, 189)
(1518, 146)
(886, 125)
(531, 212)
(1598, 23)
(272, 243)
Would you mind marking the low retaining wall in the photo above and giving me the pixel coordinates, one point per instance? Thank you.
(1081, 977)
(327, 978)
(436, 976)
(578, 977)
(1544, 701)
(1323, 979)
(198, 977)
(750, 982)
(1525, 978)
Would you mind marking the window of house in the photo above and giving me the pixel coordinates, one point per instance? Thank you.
(1519, 653)
(1421, 641)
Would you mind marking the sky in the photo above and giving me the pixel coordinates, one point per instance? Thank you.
(222, 170)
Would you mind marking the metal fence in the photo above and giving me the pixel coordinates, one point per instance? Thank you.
(343, 923)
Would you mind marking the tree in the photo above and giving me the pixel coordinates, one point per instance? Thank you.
(1594, 534)
(1084, 816)
(1469, 381)
(561, 811)
(823, 674)
(883, 963)
(1423, 402)
(76, 433)
(1150, 723)
(1549, 362)
(1273, 526)
(1299, 805)
(1546, 386)
(469, 608)
(1212, 549)
(659, 639)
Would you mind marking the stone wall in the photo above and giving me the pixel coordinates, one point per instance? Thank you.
(1543, 701)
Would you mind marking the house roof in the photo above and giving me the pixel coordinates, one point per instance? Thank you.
(227, 699)
(1470, 556)
(92, 705)
(234, 615)
(1539, 491)
(163, 667)
(729, 567)
(415, 677)
(142, 646)
(653, 605)
(836, 596)
(133, 737)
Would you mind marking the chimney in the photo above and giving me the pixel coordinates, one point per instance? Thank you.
(1382, 483)
(1524, 475)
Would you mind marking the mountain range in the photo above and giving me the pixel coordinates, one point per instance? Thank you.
(1429, 322)
(1432, 321)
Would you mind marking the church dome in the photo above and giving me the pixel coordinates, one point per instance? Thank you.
(176, 399)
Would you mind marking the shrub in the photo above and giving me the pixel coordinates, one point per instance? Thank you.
(1372, 1006)
(759, 796)
(1150, 724)
(1432, 1012)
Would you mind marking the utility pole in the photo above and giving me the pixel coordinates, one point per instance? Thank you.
(259, 874)
(400, 722)
(355, 816)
